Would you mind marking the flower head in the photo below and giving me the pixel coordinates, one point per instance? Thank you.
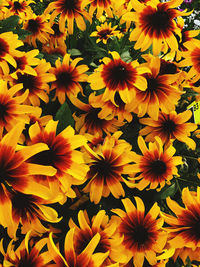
(155, 167)
(143, 233)
(68, 77)
(104, 32)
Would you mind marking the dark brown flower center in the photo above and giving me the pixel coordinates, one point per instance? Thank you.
(47, 158)
(158, 167)
(33, 26)
(57, 32)
(29, 81)
(152, 84)
(64, 78)
(167, 68)
(104, 34)
(17, 5)
(169, 126)
(139, 234)
(102, 166)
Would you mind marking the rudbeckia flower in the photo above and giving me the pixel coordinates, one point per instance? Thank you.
(36, 84)
(115, 75)
(100, 223)
(107, 166)
(104, 32)
(39, 27)
(29, 211)
(143, 233)
(24, 254)
(109, 110)
(9, 42)
(161, 93)
(100, 6)
(62, 155)
(89, 121)
(155, 24)
(25, 63)
(170, 126)
(20, 8)
(68, 77)
(192, 58)
(184, 225)
(12, 108)
(72, 259)
(69, 11)
(15, 172)
(155, 167)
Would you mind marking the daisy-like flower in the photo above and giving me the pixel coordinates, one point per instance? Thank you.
(170, 126)
(62, 155)
(143, 233)
(28, 210)
(37, 84)
(24, 254)
(100, 6)
(90, 122)
(72, 259)
(161, 92)
(15, 172)
(68, 76)
(9, 42)
(109, 110)
(20, 8)
(192, 58)
(39, 27)
(155, 24)
(69, 10)
(115, 75)
(104, 32)
(12, 108)
(109, 241)
(107, 166)
(184, 225)
(155, 167)
(25, 63)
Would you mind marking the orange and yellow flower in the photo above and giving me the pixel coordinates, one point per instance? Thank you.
(68, 78)
(143, 233)
(155, 167)
(115, 75)
(69, 11)
(184, 225)
(169, 127)
(100, 6)
(155, 24)
(108, 163)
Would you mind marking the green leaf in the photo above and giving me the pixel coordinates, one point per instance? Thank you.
(9, 23)
(74, 52)
(21, 33)
(64, 116)
(167, 191)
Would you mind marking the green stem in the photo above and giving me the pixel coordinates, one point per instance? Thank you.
(189, 157)
(178, 186)
(187, 181)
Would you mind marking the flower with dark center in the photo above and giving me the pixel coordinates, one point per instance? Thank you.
(142, 233)
(68, 78)
(36, 80)
(62, 155)
(155, 25)
(115, 75)
(167, 67)
(107, 166)
(73, 259)
(90, 121)
(184, 225)
(104, 32)
(15, 173)
(170, 127)
(161, 93)
(26, 255)
(20, 8)
(39, 28)
(87, 229)
(155, 167)
(69, 11)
